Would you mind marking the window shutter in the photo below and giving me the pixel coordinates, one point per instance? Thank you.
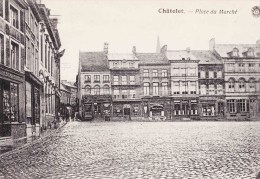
(7, 52)
(7, 10)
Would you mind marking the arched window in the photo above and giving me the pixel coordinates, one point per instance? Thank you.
(87, 90)
(235, 52)
(252, 83)
(96, 90)
(250, 52)
(241, 84)
(106, 89)
(231, 85)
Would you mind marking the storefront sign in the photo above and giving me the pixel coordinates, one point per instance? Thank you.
(10, 75)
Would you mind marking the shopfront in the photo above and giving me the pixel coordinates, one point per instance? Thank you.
(184, 108)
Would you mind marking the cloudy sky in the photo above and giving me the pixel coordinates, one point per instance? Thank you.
(85, 25)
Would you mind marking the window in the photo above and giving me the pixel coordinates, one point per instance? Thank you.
(106, 78)
(46, 56)
(132, 64)
(14, 17)
(164, 73)
(155, 73)
(176, 71)
(251, 67)
(207, 74)
(230, 67)
(41, 48)
(14, 102)
(132, 94)
(250, 52)
(211, 89)
(97, 90)
(1, 8)
(241, 67)
(183, 87)
(87, 78)
(219, 74)
(211, 74)
(97, 78)
(155, 89)
(2, 60)
(252, 85)
(241, 85)
(124, 94)
(231, 85)
(32, 57)
(203, 89)
(116, 93)
(124, 80)
(115, 64)
(176, 87)
(191, 71)
(115, 79)
(202, 74)
(146, 73)
(192, 87)
(182, 72)
(164, 89)
(146, 89)
(231, 105)
(36, 61)
(219, 89)
(215, 74)
(132, 80)
(235, 52)
(15, 56)
(106, 89)
(87, 90)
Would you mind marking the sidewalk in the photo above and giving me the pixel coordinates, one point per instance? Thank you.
(8, 144)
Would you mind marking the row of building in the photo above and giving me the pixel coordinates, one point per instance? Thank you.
(220, 83)
(29, 68)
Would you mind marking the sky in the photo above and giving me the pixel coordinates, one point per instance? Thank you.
(85, 25)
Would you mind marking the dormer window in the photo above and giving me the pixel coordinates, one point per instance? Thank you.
(250, 52)
(132, 64)
(235, 52)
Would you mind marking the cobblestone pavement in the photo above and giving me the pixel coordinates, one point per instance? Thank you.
(141, 150)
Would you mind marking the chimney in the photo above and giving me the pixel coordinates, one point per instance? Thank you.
(134, 50)
(164, 49)
(105, 48)
(212, 44)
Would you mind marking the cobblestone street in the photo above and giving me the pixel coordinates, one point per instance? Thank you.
(140, 150)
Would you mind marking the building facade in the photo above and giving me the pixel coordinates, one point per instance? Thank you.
(29, 73)
(241, 75)
(216, 84)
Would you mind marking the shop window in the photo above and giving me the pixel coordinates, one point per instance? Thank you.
(231, 105)
(193, 110)
(243, 105)
(177, 109)
(97, 108)
(136, 110)
(29, 102)
(117, 110)
(208, 110)
(15, 56)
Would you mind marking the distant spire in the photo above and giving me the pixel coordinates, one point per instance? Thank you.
(158, 45)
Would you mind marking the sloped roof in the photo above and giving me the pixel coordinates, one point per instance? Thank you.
(63, 88)
(121, 56)
(206, 57)
(179, 54)
(93, 61)
(68, 84)
(224, 49)
(152, 58)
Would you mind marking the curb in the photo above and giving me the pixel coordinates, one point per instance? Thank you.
(33, 142)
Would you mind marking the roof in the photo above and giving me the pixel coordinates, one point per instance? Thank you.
(93, 61)
(152, 58)
(63, 88)
(179, 55)
(224, 49)
(206, 57)
(68, 84)
(121, 56)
